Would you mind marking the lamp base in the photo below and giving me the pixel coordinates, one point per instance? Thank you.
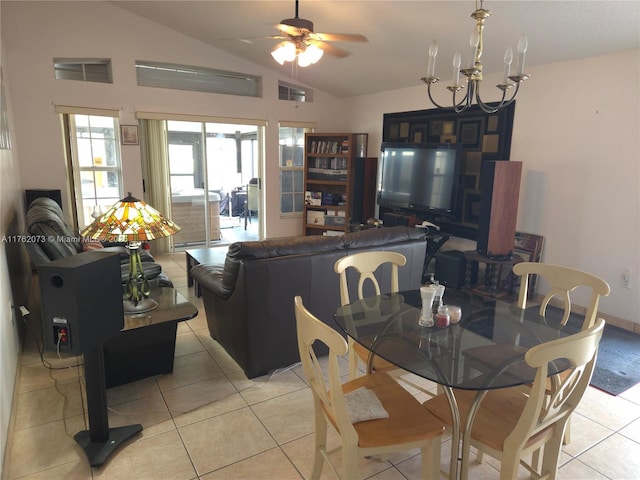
(143, 306)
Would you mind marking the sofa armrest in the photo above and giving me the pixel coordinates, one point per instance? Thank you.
(211, 277)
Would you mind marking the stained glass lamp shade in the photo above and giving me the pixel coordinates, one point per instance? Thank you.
(133, 221)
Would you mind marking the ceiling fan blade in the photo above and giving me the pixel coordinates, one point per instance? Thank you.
(339, 37)
(290, 30)
(331, 49)
(251, 39)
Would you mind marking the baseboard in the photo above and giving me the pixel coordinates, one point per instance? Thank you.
(622, 323)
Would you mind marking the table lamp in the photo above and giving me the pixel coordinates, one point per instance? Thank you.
(133, 221)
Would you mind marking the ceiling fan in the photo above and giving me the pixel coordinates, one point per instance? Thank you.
(301, 42)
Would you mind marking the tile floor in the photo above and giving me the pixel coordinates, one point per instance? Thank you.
(208, 421)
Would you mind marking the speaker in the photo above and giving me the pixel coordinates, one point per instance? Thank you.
(81, 299)
(500, 190)
(451, 268)
(396, 219)
(31, 195)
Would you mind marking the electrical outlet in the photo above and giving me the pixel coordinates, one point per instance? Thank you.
(626, 279)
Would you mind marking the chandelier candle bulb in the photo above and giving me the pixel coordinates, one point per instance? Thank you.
(473, 43)
(457, 60)
(433, 51)
(523, 44)
(508, 58)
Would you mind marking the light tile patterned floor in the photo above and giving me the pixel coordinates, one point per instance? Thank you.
(208, 421)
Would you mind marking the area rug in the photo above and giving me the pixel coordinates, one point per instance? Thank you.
(618, 364)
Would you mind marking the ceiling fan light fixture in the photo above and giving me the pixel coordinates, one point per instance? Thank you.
(284, 52)
(309, 55)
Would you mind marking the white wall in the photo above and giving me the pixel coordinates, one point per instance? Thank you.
(576, 130)
(11, 220)
(36, 32)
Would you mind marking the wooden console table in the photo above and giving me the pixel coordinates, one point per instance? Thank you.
(146, 345)
(491, 286)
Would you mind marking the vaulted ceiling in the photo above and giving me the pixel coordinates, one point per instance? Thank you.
(399, 34)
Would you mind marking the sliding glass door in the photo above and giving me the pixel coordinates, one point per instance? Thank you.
(210, 168)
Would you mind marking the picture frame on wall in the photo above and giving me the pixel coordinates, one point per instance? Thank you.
(129, 135)
(529, 248)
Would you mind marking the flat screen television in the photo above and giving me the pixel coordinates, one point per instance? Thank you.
(420, 177)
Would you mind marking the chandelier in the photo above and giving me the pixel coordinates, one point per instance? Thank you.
(288, 51)
(473, 72)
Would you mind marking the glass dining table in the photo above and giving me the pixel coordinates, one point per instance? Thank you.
(483, 351)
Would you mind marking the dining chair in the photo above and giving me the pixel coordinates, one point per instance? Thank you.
(562, 281)
(511, 423)
(366, 264)
(400, 423)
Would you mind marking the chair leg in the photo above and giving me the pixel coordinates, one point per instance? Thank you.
(567, 433)
(320, 445)
(350, 462)
(430, 457)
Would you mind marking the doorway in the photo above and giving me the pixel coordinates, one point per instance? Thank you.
(214, 173)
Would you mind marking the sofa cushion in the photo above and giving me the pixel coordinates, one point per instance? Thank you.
(381, 236)
(280, 247)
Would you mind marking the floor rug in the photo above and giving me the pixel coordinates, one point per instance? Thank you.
(618, 364)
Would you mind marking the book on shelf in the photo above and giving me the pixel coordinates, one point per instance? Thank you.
(315, 217)
(328, 146)
(313, 198)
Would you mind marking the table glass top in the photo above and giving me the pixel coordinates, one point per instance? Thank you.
(172, 307)
(485, 350)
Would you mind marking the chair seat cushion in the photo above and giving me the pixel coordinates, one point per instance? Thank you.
(408, 421)
(499, 412)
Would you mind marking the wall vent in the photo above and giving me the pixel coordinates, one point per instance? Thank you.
(197, 79)
(83, 69)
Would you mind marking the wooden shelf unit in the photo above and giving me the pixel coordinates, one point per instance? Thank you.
(329, 182)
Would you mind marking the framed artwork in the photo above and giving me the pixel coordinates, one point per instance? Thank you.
(129, 134)
(470, 133)
(529, 248)
(418, 133)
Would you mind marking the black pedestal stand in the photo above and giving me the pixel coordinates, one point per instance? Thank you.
(100, 441)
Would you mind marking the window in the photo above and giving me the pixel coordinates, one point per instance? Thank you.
(86, 70)
(196, 79)
(296, 93)
(95, 164)
(292, 166)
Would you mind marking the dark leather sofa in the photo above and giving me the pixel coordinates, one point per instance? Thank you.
(50, 238)
(248, 301)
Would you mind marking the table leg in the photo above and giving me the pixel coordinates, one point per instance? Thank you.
(466, 437)
(190, 263)
(455, 432)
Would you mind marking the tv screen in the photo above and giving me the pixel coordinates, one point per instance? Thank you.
(419, 177)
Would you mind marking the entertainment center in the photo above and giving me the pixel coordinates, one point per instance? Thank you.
(451, 169)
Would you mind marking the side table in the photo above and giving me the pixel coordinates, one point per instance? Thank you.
(147, 343)
(206, 255)
(493, 274)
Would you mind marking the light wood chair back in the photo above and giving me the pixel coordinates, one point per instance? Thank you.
(562, 280)
(408, 425)
(366, 264)
(512, 423)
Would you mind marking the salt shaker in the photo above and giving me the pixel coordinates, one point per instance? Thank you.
(437, 301)
(427, 293)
